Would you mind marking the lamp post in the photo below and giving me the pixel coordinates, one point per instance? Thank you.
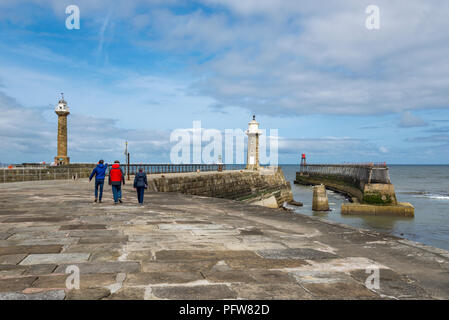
(127, 159)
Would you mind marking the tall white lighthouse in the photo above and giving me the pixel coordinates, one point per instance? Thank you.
(253, 132)
(62, 110)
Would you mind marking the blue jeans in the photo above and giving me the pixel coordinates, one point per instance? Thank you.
(99, 185)
(140, 192)
(117, 192)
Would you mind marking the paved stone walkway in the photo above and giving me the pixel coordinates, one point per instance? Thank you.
(186, 247)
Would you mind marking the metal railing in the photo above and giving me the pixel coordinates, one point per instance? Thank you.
(18, 174)
(178, 168)
(43, 173)
(366, 172)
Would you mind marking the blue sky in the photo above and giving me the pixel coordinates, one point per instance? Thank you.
(137, 70)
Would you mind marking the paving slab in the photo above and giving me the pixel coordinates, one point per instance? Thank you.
(262, 263)
(5, 235)
(46, 295)
(200, 292)
(184, 255)
(88, 294)
(93, 233)
(105, 256)
(11, 270)
(83, 227)
(12, 258)
(101, 240)
(42, 219)
(86, 280)
(16, 284)
(271, 292)
(190, 266)
(39, 269)
(93, 247)
(162, 277)
(57, 258)
(298, 253)
(340, 290)
(127, 294)
(104, 267)
(30, 249)
(229, 276)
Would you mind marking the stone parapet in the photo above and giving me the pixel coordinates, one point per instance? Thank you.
(243, 185)
(46, 173)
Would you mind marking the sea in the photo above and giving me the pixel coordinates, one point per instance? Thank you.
(426, 187)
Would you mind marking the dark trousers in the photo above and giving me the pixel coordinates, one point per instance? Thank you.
(99, 186)
(140, 192)
(117, 192)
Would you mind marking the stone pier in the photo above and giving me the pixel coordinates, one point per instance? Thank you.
(266, 186)
(180, 246)
(367, 186)
(320, 201)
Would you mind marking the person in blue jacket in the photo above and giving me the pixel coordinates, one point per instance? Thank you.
(100, 173)
(140, 184)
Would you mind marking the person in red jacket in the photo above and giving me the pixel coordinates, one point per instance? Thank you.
(116, 178)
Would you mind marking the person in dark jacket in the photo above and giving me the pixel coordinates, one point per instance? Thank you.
(116, 178)
(99, 172)
(140, 184)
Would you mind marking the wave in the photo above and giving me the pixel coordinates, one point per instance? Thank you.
(413, 192)
(433, 196)
(439, 197)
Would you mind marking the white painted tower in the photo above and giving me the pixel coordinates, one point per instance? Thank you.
(253, 132)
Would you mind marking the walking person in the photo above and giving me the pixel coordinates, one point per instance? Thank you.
(116, 178)
(100, 173)
(140, 184)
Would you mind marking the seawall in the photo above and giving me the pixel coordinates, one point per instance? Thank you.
(366, 198)
(65, 172)
(368, 193)
(267, 187)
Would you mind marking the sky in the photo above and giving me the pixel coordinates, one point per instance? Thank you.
(139, 70)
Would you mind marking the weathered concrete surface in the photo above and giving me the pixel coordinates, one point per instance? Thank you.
(189, 247)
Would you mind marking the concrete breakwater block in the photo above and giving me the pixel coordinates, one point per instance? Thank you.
(296, 203)
(268, 202)
(402, 209)
(320, 202)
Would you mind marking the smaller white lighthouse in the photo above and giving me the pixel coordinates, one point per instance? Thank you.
(253, 132)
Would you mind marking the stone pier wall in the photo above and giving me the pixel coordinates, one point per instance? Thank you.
(46, 173)
(243, 185)
(373, 193)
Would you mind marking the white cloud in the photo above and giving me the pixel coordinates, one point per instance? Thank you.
(291, 58)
